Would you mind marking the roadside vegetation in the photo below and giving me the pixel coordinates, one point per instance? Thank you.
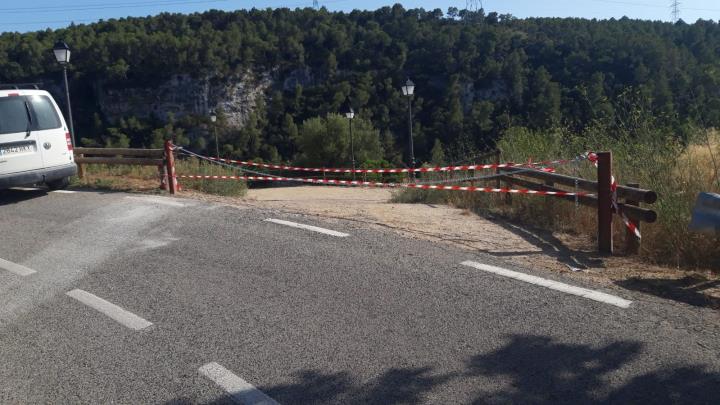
(677, 168)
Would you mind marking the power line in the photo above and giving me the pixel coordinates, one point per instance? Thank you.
(639, 4)
(56, 9)
(50, 22)
(92, 20)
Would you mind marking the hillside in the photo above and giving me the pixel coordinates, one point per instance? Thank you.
(138, 80)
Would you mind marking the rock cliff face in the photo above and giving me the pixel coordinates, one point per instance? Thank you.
(182, 95)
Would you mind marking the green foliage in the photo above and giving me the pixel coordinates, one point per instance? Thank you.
(438, 155)
(474, 80)
(326, 141)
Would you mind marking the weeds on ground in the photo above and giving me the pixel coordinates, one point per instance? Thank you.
(224, 187)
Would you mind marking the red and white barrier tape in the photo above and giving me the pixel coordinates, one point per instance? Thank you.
(388, 185)
(537, 165)
(592, 157)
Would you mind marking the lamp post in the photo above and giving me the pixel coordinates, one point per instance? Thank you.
(213, 118)
(408, 89)
(350, 114)
(62, 55)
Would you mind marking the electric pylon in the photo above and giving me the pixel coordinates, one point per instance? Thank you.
(675, 10)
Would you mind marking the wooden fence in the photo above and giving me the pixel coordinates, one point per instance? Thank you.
(162, 158)
(629, 197)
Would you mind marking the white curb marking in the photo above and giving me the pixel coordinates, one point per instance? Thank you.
(553, 285)
(240, 390)
(113, 311)
(308, 227)
(15, 268)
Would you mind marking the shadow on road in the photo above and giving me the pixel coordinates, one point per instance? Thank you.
(550, 245)
(529, 369)
(10, 196)
(688, 289)
(541, 370)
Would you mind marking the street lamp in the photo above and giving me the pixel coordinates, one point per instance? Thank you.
(62, 55)
(213, 118)
(350, 114)
(408, 89)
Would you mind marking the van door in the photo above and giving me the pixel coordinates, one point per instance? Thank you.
(53, 138)
(19, 148)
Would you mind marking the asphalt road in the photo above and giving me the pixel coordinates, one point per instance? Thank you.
(131, 299)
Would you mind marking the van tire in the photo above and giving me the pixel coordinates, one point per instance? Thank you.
(58, 184)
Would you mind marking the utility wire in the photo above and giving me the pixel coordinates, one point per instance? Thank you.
(77, 7)
(127, 5)
(633, 3)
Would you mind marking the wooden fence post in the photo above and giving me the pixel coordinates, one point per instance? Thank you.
(162, 172)
(170, 162)
(605, 214)
(81, 169)
(497, 169)
(632, 243)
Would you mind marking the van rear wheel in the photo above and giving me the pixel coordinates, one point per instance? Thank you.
(58, 184)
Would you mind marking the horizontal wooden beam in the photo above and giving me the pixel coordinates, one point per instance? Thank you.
(630, 193)
(637, 213)
(150, 153)
(119, 161)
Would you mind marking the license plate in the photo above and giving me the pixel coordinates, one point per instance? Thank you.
(16, 149)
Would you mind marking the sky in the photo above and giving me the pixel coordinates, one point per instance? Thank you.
(32, 15)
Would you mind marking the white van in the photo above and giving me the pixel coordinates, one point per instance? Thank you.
(35, 145)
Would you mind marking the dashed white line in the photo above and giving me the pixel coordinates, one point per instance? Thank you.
(239, 390)
(113, 311)
(64, 191)
(308, 227)
(15, 268)
(553, 285)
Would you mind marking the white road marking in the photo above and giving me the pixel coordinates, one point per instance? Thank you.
(16, 268)
(64, 191)
(240, 390)
(113, 311)
(308, 227)
(26, 188)
(553, 285)
(158, 200)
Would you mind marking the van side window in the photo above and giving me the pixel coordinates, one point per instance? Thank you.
(13, 115)
(44, 113)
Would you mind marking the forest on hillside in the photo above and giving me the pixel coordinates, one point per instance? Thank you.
(478, 75)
